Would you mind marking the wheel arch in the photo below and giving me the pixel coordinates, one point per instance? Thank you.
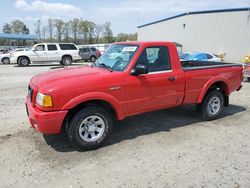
(67, 55)
(221, 84)
(4, 58)
(96, 98)
(23, 56)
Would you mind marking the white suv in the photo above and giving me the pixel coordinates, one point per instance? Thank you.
(65, 53)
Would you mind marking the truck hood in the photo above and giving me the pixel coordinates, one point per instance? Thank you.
(59, 77)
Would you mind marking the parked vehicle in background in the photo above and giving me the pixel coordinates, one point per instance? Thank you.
(247, 71)
(64, 53)
(5, 50)
(202, 56)
(89, 54)
(183, 55)
(5, 58)
(85, 101)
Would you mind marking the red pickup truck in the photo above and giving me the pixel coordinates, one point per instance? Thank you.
(129, 78)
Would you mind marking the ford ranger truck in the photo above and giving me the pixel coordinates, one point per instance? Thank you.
(130, 78)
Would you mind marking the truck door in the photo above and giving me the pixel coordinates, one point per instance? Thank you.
(39, 53)
(160, 88)
(53, 53)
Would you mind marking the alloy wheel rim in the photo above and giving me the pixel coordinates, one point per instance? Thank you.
(214, 105)
(91, 128)
(24, 61)
(5, 61)
(67, 61)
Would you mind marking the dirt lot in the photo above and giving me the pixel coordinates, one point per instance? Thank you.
(168, 148)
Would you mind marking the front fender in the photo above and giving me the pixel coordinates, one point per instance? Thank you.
(96, 96)
(210, 83)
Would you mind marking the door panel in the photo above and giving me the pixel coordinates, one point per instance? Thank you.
(162, 87)
(39, 54)
(53, 53)
(153, 91)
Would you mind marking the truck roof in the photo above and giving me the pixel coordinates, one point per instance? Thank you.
(145, 42)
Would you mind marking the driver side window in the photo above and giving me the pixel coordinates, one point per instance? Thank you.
(155, 59)
(40, 48)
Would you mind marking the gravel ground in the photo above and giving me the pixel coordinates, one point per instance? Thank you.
(167, 148)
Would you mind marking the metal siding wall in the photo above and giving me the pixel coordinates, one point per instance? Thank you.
(227, 32)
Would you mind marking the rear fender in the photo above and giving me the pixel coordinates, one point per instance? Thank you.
(210, 83)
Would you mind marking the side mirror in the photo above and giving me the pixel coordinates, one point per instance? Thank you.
(33, 50)
(139, 69)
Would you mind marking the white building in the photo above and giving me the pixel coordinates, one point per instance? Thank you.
(216, 31)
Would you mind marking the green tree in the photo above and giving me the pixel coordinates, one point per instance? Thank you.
(74, 24)
(17, 26)
(26, 30)
(91, 28)
(38, 25)
(107, 33)
(98, 30)
(59, 24)
(122, 37)
(66, 31)
(6, 28)
(50, 28)
(84, 29)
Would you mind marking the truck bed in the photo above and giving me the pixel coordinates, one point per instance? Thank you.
(197, 65)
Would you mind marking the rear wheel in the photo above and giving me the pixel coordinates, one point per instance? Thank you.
(66, 60)
(92, 58)
(6, 60)
(212, 105)
(248, 79)
(23, 61)
(90, 127)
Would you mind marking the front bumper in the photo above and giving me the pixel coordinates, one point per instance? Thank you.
(45, 122)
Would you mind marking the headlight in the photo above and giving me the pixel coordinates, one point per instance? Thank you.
(44, 100)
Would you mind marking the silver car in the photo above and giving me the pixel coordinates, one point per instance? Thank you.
(89, 53)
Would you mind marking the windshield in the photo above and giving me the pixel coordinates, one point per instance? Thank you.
(117, 56)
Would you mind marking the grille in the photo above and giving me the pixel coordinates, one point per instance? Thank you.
(30, 93)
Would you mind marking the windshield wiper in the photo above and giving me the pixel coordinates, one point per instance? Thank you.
(106, 66)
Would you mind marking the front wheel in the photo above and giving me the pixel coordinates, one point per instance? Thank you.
(92, 58)
(90, 127)
(6, 60)
(212, 105)
(23, 61)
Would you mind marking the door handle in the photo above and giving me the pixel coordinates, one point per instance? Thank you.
(172, 78)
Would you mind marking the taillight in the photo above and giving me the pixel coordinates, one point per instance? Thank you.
(98, 53)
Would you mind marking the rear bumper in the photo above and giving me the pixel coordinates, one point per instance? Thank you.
(45, 122)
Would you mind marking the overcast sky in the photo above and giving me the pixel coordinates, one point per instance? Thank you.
(124, 15)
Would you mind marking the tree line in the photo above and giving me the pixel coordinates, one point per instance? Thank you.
(78, 31)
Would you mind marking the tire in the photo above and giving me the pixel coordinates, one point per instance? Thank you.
(248, 79)
(6, 60)
(66, 60)
(212, 105)
(92, 58)
(88, 135)
(23, 61)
